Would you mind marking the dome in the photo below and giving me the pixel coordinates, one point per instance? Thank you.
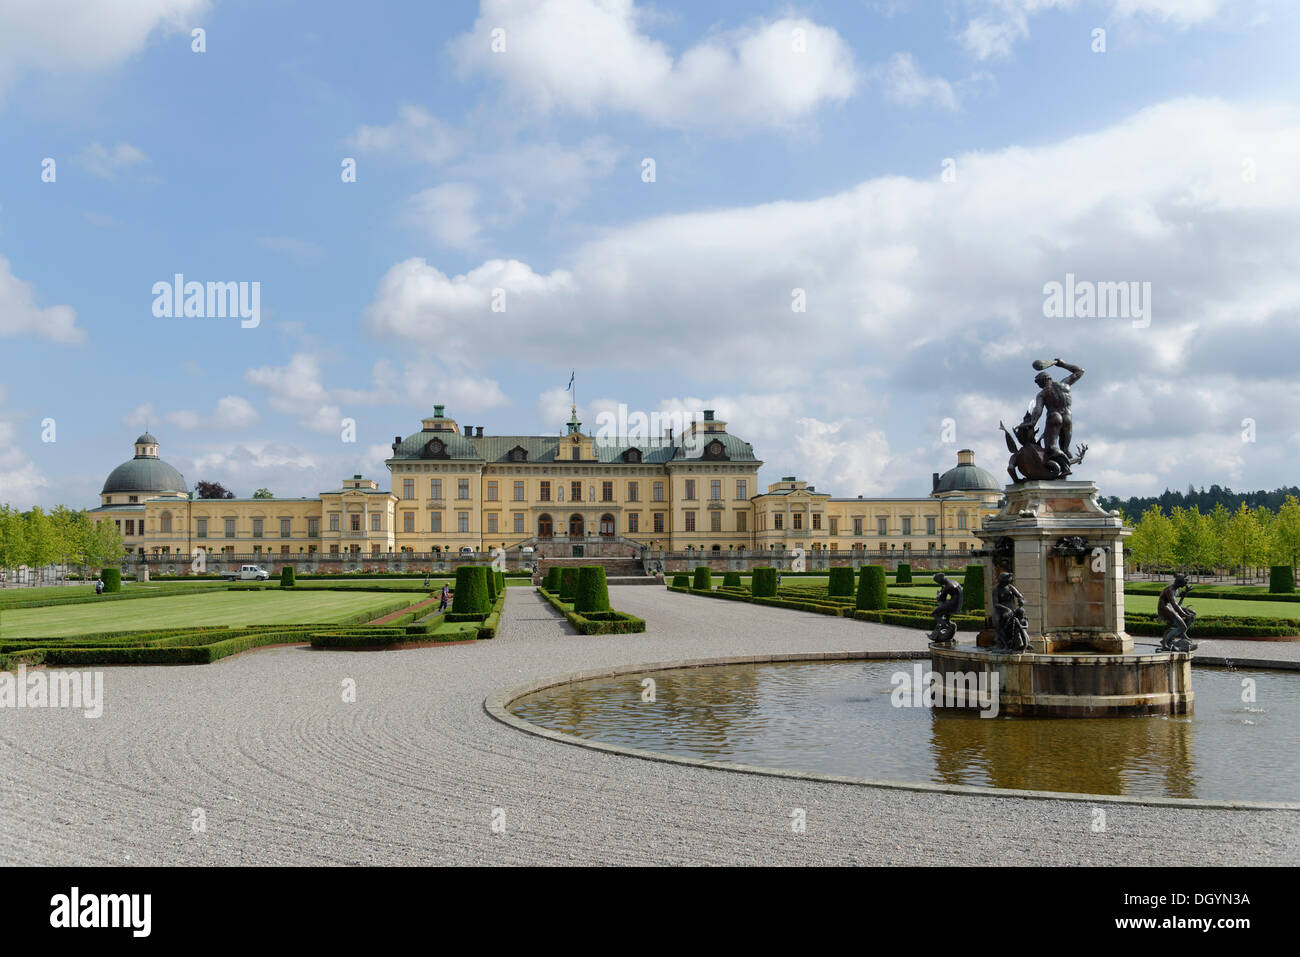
(145, 473)
(966, 476)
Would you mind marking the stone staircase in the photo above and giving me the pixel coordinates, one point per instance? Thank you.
(618, 571)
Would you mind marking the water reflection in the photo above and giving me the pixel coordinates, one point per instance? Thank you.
(837, 718)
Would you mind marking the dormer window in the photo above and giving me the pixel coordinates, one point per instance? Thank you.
(436, 449)
(714, 450)
(632, 456)
(518, 454)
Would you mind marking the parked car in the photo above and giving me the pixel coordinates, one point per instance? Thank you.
(466, 552)
(247, 573)
(526, 550)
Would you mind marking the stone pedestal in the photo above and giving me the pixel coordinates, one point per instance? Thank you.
(1067, 554)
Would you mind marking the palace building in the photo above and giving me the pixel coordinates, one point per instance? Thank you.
(454, 488)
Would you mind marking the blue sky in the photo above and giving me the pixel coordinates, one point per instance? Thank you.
(1169, 158)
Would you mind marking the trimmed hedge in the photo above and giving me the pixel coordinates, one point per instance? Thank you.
(841, 582)
(596, 623)
(286, 577)
(568, 584)
(904, 574)
(552, 580)
(490, 579)
(681, 580)
(593, 591)
(1281, 579)
(703, 578)
(471, 591)
(873, 594)
(112, 580)
(972, 589)
(762, 582)
(731, 580)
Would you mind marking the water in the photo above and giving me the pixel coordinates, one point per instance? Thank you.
(837, 718)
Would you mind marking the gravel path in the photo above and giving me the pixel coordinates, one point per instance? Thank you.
(287, 772)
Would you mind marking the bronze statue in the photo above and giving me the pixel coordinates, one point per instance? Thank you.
(1179, 617)
(1049, 458)
(948, 604)
(1010, 631)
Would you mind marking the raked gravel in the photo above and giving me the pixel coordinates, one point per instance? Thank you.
(285, 771)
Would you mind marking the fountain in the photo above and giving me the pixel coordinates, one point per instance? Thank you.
(1054, 642)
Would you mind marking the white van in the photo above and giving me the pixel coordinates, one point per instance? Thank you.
(247, 573)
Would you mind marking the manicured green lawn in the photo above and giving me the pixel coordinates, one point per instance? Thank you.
(1220, 606)
(267, 606)
(18, 593)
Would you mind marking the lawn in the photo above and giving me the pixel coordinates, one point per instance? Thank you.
(263, 607)
(23, 593)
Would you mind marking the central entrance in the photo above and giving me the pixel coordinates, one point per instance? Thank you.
(575, 526)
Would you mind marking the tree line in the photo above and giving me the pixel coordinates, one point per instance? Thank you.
(1204, 500)
(1218, 540)
(60, 537)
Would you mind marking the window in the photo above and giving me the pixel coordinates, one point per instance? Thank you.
(376, 523)
(835, 526)
(492, 522)
(907, 525)
(577, 454)
(882, 526)
(435, 522)
(408, 488)
(817, 521)
(257, 528)
(165, 522)
(690, 521)
(796, 521)
(284, 549)
(778, 521)
(408, 521)
(658, 492)
(659, 523)
(284, 527)
(575, 491)
(742, 489)
(355, 524)
(130, 526)
(334, 521)
(545, 527)
(519, 491)
(519, 523)
(607, 491)
(690, 490)
(741, 522)
(435, 489)
(633, 491)
(715, 521)
(633, 523)
(492, 491)
(462, 521)
(961, 520)
(607, 525)
(857, 526)
(715, 489)
(462, 488)
(963, 546)
(230, 528)
(313, 528)
(334, 549)
(518, 454)
(132, 500)
(202, 530)
(545, 493)
(929, 526)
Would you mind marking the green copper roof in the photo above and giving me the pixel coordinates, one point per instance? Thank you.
(967, 478)
(548, 448)
(145, 473)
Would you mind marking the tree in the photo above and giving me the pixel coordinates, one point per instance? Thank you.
(1245, 544)
(107, 546)
(1285, 545)
(212, 490)
(13, 533)
(1152, 542)
(39, 542)
(263, 493)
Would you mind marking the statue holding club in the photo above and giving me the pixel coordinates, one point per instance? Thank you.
(1049, 458)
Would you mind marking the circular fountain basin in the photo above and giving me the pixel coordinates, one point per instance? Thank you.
(1064, 684)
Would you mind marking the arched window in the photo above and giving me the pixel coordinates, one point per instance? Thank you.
(165, 522)
(607, 525)
(545, 527)
(575, 526)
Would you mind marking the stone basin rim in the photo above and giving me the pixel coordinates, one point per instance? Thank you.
(498, 703)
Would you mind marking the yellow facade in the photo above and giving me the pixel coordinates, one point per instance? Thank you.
(455, 489)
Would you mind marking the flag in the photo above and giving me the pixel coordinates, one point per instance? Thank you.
(570, 385)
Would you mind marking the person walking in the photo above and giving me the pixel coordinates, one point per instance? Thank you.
(99, 586)
(442, 601)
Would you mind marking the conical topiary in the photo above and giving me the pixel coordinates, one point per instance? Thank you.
(593, 591)
(841, 583)
(872, 595)
(703, 578)
(763, 583)
(904, 574)
(731, 580)
(471, 591)
(552, 582)
(568, 584)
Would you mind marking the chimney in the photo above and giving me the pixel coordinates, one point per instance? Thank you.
(397, 440)
(478, 433)
(934, 481)
(437, 411)
(670, 434)
(469, 431)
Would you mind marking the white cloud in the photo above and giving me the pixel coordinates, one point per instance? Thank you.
(906, 85)
(232, 413)
(416, 134)
(20, 316)
(21, 481)
(57, 36)
(592, 56)
(447, 214)
(106, 163)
